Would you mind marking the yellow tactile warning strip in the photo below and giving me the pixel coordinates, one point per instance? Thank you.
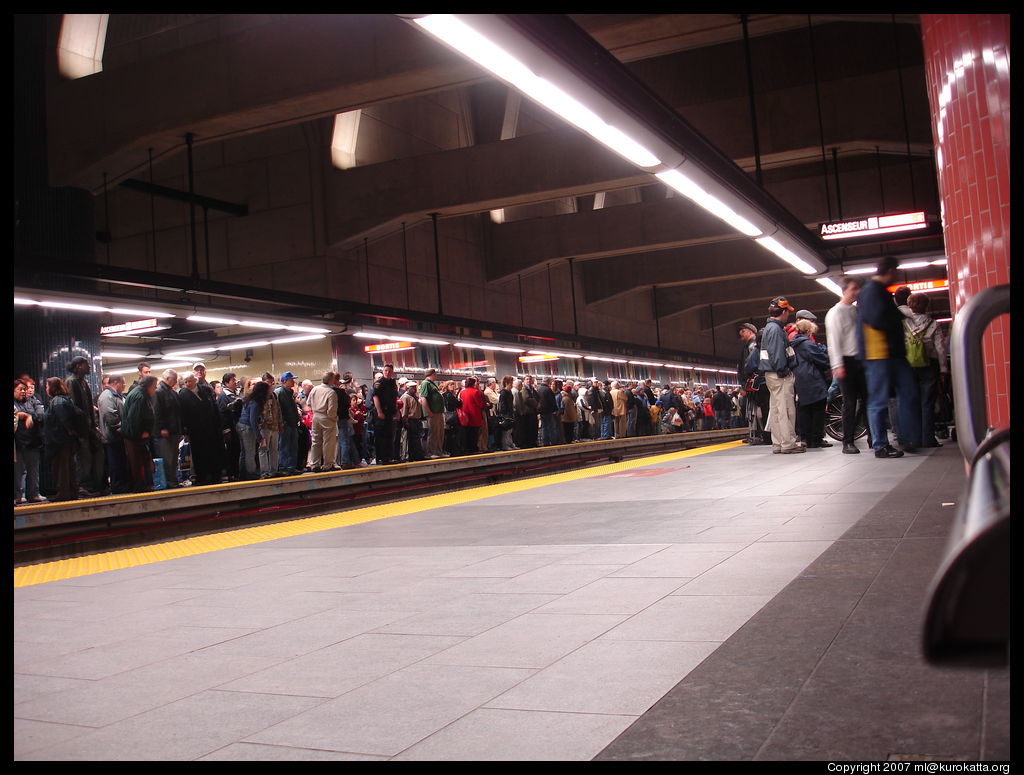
(126, 558)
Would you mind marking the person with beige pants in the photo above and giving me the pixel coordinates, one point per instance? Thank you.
(776, 363)
(323, 400)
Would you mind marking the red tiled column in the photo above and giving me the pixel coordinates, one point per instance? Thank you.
(967, 66)
(967, 63)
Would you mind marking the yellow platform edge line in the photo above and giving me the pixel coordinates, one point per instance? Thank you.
(57, 570)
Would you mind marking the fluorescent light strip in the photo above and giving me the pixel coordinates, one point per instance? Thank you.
(714, 205)
(475, 46)
(787, 255)
(831, 284)
(69, 305)
(915, 265)
(135, 332)
(644, 363)
(212, 319)
(305, 338)
(258, 324)
(478, 346)
(559, 355)
(191, 351)
(146, 313)
(861, 270)
(400, 338)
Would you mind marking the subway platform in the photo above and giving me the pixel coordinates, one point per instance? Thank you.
(719, 603)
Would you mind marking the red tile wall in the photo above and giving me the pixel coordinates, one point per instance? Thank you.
(967, 66)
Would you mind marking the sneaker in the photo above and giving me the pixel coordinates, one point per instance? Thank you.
(39, 499)
(776, 450)
(888, 451)
(20, 502)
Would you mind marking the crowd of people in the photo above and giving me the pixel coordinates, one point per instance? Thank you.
(179, 429)
(884, 352)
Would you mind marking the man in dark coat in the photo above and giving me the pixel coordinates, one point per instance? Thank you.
(92, 479)
(201, 423)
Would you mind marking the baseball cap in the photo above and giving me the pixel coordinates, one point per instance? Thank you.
(779, 303)
(287, 376)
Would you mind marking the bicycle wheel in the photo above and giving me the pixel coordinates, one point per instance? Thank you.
(834, 420)
(834, 417)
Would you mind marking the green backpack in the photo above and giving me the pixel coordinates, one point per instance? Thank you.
(917, 357)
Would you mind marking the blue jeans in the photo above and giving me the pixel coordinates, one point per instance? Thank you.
(882, 374)
(288, 444)
(247, 457)
(548, 430)
(606, 425)
(26, 472)
(344, 442)
(722, 417)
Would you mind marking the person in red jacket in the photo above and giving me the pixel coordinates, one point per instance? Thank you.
(471, 414)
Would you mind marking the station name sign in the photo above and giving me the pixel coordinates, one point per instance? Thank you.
(922, 286)
(131, 325)
(876, 224)
(388, 347)
(537, 358)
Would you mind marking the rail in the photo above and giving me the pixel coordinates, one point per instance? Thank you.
(967, 615)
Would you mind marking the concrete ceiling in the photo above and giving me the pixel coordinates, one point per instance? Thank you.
(843, 130)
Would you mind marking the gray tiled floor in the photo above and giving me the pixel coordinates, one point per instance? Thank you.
(534, 625)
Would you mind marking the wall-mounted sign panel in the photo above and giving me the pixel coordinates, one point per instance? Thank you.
(922, 286)
(130, 326)
(537, 358)
(876, 224)
(388, 347)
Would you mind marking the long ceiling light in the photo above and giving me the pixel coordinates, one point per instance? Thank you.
(831, 284)
(74, 306)
(688, 188)
(454, 32)
(557, 355)
(481, 346)
(787, 255)
(400, 338)
(515, 58)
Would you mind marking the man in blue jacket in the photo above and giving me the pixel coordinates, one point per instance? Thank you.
(777, 360)
(881, 345)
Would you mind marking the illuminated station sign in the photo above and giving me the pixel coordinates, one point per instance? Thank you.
(130, 327)
(388, 347)
(922, 286)
(876, 224)
(537, 358)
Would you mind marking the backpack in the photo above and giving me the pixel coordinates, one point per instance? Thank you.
(917, 357)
